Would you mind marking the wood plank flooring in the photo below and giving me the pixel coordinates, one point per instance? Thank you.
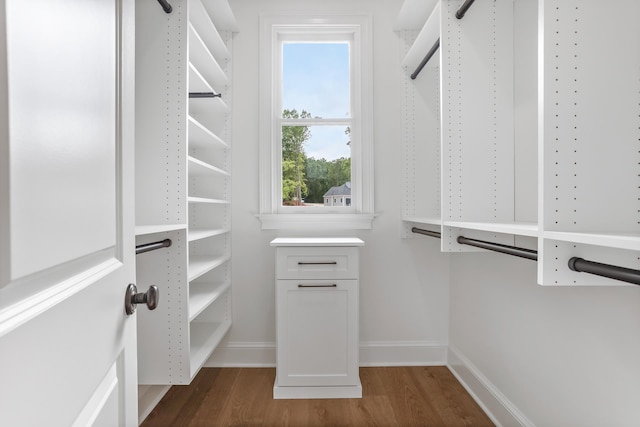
(397, 396)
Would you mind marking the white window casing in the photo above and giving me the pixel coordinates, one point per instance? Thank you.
(274, 29)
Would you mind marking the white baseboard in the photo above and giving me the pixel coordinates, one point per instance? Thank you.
(237, 354)
(402, 353)
(372, 353)
(495, 404)
(323, 392)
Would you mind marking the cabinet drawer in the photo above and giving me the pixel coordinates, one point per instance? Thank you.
(317, 263)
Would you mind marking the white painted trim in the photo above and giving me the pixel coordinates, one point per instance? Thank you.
(104, 394)
(319, 392)
(91, 268)
(243, 355)
(359, 25)
(317, 221)
(372, 353)
(495, 404)
(402, 353)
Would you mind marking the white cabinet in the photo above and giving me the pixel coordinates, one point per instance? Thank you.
(183, 177)
(317, 309)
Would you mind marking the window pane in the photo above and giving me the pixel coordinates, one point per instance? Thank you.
(315, 77)
(316, 166)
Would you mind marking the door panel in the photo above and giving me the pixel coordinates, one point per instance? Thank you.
(62, 80)
(67, 348)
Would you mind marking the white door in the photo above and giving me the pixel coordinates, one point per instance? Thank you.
(67, 348)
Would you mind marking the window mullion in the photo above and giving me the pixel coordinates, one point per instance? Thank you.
(315, 122)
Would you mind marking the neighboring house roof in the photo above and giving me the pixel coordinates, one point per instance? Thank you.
(343, 190)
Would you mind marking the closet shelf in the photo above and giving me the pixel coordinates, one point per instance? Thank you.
(422, 220)
(221, 15)
(413, 14)
(202, 295)
(204, 62)
(198, 167)
(202, 23)
(198, 234)
(529, 229)
(426, 39)
(630, 241)
(205, 337)
(205, 200)
(197, 83)
(201, 137)
(142, 230)
(199, 265)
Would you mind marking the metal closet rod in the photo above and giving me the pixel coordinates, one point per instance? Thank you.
(426, 59)
(575, 263)
(435, 234)
(605, 270)
(165, 6)
(497, 247)
(204, 95)
(463, 9)
(148, 247)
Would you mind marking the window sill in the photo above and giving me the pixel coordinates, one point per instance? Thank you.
(316, 221)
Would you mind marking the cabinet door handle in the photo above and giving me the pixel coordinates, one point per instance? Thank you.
(328, 285)
(318, 263)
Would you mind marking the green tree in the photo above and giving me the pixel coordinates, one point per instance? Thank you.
(290, 185)
(339, 171)
(317, 173)
(293, 140)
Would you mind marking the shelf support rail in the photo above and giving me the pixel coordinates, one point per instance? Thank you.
(148, 247)
(165, 6)
(426, 59)
(204, 95)
(497, 247)
(463, 9)
(605, 270)
(430, 233)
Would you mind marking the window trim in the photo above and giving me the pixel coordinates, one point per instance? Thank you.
(272, 29)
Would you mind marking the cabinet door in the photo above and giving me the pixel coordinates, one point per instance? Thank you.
(317, 326)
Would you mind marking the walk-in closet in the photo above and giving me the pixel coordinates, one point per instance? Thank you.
(320, 212)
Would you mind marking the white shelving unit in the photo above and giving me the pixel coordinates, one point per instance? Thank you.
(515, 136)
(421, 125)
(460, 121)
(589, 139)
(183, 158)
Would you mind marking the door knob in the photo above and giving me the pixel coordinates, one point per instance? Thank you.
(133, 298)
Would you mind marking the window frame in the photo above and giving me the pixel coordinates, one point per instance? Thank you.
(275, 30)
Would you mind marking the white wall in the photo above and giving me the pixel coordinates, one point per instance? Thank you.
(403, 291)
(564, 356)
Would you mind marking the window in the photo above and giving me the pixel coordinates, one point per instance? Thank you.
(316, 140)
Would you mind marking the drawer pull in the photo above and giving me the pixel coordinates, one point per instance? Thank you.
(318, 263)
(328, 285)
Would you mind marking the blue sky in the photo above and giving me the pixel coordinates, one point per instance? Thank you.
(316, 79)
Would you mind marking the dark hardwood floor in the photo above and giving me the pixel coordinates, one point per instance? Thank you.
(398, 396)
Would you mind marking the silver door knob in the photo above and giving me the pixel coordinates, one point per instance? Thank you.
(133, 298)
